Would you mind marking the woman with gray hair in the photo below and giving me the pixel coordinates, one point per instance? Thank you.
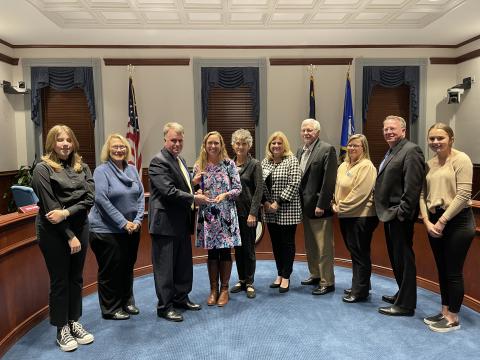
(248, 205)
(353, 202)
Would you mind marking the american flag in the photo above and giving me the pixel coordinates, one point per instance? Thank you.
(133, 131)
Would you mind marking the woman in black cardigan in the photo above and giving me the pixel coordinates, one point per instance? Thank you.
(248, 205)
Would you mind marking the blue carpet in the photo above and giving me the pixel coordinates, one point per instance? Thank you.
(295, 325)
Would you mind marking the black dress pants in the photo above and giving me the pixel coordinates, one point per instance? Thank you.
(116, 255)
(399, 236)
(357, 234)
(245, 254)
(283, 245)
(450, 252)
(65, 269)
(172, 269)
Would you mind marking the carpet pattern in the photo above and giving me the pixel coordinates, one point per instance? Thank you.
(295, 325)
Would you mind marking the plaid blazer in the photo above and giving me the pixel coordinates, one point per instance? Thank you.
(285, 181)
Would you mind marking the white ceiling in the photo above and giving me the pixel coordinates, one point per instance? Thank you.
(238, 22)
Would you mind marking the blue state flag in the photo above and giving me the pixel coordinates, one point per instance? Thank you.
(348, 124)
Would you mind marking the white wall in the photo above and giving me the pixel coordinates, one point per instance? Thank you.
(9, 103)
(439, 79)
(165, 93)
(467, 122)
(288, 100)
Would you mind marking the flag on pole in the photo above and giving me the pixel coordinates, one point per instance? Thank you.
(348, 124)
(311, 114)
(133, 130)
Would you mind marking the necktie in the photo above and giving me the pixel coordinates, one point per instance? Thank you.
(304, 159)
(384, 159)
(185, 175)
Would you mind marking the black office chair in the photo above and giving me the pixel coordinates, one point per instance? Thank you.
(24, 195)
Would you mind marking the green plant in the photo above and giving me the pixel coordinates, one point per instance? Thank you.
(24, 178)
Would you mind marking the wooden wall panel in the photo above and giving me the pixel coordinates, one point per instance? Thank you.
(230, 110)
(383, 102)
(6, 180)
(476, 182)
(70, 108)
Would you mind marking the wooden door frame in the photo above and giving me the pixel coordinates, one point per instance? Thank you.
(418, 129)
(261, 128)
(34, 137)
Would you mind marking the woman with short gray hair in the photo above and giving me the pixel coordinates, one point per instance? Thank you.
(248, 205)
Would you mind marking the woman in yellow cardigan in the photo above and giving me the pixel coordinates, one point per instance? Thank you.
(353, 202)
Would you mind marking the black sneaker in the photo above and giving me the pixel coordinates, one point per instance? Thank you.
(429, 320)
(82, 336)
(239, 286)
(65, 339)
(251, 291)
(444, 326)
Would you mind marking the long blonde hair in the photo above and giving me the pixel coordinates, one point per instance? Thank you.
(286, 145)
(203, 158)
(51, 157)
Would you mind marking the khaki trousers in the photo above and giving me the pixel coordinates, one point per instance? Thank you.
(319, 245)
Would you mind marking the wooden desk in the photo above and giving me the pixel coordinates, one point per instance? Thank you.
(24, 282)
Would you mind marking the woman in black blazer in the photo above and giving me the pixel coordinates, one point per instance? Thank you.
(248, 205)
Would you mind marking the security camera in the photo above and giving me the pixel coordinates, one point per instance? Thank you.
(454, 95)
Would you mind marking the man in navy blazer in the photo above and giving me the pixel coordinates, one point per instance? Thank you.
(170, 223)
(397, 192)
(318, 161)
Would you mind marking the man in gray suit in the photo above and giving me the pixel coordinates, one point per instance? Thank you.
(318, 161)
(170, 223)
(397, 192)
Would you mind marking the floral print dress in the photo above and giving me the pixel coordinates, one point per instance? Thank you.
(217, 224)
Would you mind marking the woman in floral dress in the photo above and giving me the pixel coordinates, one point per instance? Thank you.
(217, 223)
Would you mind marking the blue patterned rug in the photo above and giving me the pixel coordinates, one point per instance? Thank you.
(295, 325)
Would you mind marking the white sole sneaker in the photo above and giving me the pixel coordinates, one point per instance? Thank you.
(433, 319)
(443, 326)
(82, 336)
(70, 346)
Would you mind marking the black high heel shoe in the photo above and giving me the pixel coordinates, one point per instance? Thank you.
(283, 290)
(275, 285)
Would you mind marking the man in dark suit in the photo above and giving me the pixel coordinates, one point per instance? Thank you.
(397, 193)
(318, 162)
(170, 223)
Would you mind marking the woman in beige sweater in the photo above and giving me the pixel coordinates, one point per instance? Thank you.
(353, 203)
(446, 210)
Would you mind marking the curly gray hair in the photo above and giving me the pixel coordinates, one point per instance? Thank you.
(242, 135)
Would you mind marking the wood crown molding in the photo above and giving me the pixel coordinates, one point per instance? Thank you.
(8, 59)
(310, 61)
(455, 60)
(468, 41)
(6, 43)
(147, 62)
(361, 46)
(52, 46)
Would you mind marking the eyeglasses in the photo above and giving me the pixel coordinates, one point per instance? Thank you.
(119, 147)
(354, 146)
